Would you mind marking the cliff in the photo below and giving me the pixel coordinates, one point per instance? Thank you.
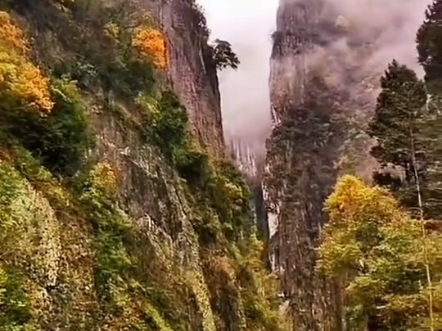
(118, 208)
(321, 96)
(191, 74)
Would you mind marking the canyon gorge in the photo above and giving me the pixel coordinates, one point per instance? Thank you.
(154, 177)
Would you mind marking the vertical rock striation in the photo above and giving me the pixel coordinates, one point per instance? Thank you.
(191, 75)
(320, 94)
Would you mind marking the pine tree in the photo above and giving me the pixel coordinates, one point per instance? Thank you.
(429, 47)
(408, 137)
(398, 128)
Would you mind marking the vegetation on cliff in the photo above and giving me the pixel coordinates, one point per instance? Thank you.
(89, 133)
(382, 245)
(376, 263)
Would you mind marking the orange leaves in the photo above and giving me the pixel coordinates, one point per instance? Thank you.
(152, 43)
(11, 35)
(21, 82)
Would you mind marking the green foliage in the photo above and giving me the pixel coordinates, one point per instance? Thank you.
(199, 20)
(124, 271)
(223, 56)
(69, 136)
(61, 138)
(220, 214)
(260, 294)
(429, 46)
(169, 125)
(221, 204)
(374, 251)
(111, 228)
(397, 123)
(217, 55)
(72, 256)
(91, 42)
(17, 263)
(218, 183)
(15, 310)
(169, 130)
(407, 137)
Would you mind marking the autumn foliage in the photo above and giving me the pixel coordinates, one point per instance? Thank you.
(153, 44)
(373, 250)
(21, 82)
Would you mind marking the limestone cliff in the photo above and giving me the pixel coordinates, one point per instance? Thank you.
(118, 210)
(320, 95)
(191, 73)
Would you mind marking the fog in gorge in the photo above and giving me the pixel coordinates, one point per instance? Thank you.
(248, 26)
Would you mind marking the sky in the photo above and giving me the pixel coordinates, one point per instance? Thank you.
(248, 26)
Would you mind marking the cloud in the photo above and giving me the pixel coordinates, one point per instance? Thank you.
(248, 25)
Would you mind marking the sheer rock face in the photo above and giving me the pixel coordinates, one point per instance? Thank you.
(153, 201)
(320, 92)
(191, 75)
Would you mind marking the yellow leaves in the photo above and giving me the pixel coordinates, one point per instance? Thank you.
(372, 246)
(348, 192)
(20, 81)
(153, 44)
(24, 81)
(112, 30)
(353, 198)
(104, 176)
(233, 191)
(360, 216)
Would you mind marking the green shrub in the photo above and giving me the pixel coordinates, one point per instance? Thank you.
(169, 126)
(111, 227)
(59, 139)
(15, 310)
(169, 130)
(219, 186)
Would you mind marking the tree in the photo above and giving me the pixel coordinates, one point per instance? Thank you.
(429, 46)
(223, 55)
(398, 126)
(373, 249)
(21, 82)
(152, 44)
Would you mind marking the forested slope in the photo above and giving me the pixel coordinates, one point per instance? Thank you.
(118, 210)
(362, 258)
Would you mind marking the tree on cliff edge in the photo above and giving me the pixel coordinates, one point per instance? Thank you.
(224, 56)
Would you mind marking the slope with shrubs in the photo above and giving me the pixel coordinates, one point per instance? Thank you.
(112, 217)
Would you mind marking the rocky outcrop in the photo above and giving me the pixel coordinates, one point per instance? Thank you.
(152, 228)
(191, 74)
(320, 95)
